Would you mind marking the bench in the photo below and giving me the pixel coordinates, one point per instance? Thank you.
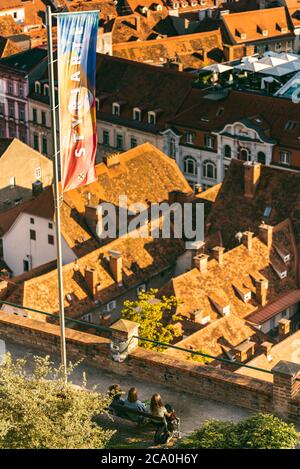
(137, 416)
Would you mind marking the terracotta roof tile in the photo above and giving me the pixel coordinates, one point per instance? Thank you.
(252, 23)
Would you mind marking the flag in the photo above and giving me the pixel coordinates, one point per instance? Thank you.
(76, 62)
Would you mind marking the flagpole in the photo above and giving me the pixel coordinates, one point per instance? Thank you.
(57, 196)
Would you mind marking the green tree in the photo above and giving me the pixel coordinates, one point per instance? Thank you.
(155, 316)
(39, 410)
(260, 431)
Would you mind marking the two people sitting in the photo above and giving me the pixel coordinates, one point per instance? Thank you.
(156, 406)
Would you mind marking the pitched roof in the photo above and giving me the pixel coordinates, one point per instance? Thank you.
(269, 115)
(232, 212)
(186, 49)
(197, 290)
(294, 12)
(141, 258)
(282, 303)
(25, 61)
(284, 350)
(73, 228)
(139, 85)
(218, 337)
(144, 174)
(7, 47)
(253, 23)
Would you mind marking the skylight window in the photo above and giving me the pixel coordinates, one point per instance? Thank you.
(267, 212)
(291, 125)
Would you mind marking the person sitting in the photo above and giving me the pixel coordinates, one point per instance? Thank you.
(157, 408)
(133, 402)
(115, 392)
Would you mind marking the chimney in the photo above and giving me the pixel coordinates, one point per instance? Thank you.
(112, 160)
(137, 23)
(196, 316)
(251, 178)
(200, 262)
(91, 278)
(3, 289)
(284, 328)
(266, 234)
(218, 253)
(265, 348)
(247, 239)
(115, 264)
(261, 286)
(93, 218)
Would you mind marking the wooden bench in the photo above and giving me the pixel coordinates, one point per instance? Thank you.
(137, 416)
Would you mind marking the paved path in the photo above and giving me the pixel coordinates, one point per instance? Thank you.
(193, 410)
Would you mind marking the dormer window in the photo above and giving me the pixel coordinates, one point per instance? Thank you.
(46, 90)
(137, 114)
(152, 118)
(116, 109)
(37, 87)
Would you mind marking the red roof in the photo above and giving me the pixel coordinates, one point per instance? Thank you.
(264, 314)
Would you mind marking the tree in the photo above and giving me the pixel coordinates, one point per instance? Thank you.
(155, 316)
(261, 431)
(39, 410)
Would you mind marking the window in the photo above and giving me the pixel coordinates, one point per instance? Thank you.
(21, 112)
(51, 239)
(37, 87)
(137, 114)
(267, 212)
(190, 165)
(105, 137)
(119, 142)
(43, 118)
(32, 220)
(20, 90)
(208, 141)
(284, 313)
(272, 323)
(11, 109)
(209, 170)
(12, 182)
(278, 46)
(133, 142)
(1, 109)
(116, 109)
(172, 147)
(227, 151)
(291, 125)
(10, 87)
(34, 115)
(151, 118)
(111, 306)
(32, 234)
(245, 154)
(285, 157)
(46, 90)
(38, 173)
(26, 265)
(261, 157)
(50, 226)
(36, 144)
(44, 145)
(189, 138)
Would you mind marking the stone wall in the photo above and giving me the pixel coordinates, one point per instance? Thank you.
(204, 381)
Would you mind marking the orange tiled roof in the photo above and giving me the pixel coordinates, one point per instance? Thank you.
(252, 23)
(141, 258)
(222, 335)
(186, 49)
(197, 290)
(233, 212)
(293, 7)
(284, 350)
(144, 174)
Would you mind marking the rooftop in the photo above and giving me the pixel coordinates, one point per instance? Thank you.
(284, 350)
